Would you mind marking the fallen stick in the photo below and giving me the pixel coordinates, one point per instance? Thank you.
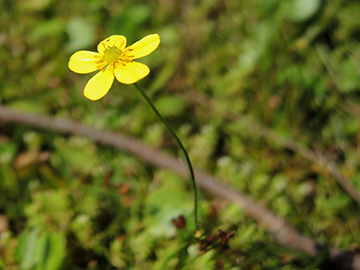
(317, 158)
(281, 231)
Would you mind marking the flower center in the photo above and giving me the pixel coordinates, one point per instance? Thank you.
(111, 54)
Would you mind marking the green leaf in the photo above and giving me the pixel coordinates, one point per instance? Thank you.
(41, 250)
(57, 253)
(81, 34)
(33, 5)
(47, 29)
(128, 22)
(166, 202)
(7, 152)
(76, 153)
(348, 76)
(25, 250)
(301, 10)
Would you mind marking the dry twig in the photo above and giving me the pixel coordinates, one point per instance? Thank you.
(315, 157)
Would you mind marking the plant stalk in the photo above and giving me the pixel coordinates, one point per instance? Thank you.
(188, 162)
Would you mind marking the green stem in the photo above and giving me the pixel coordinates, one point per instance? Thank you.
(188, 162)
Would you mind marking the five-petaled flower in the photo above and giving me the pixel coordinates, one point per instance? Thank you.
(113, 59)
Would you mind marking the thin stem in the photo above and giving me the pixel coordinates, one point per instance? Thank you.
(188, 162)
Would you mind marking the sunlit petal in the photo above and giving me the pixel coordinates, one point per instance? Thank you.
(144, 46)
(115, 40)
(131, 72)
(85, 62)
(100, 84)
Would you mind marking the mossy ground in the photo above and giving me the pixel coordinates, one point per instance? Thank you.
(291, 66)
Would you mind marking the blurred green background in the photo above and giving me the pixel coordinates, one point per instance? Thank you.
(291, 66)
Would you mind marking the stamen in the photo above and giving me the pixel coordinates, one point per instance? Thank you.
(100, 65)
(111, 54)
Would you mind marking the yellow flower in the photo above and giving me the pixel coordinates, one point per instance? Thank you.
(113, 59)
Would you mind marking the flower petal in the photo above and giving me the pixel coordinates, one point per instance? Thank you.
(144, 46)
(99, 85)
(115, 40)
(85, 62)
(131, 72)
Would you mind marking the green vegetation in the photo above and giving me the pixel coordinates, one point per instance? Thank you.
(223, 68)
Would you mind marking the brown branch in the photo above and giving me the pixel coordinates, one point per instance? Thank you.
(317, 158)
(282, 232)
